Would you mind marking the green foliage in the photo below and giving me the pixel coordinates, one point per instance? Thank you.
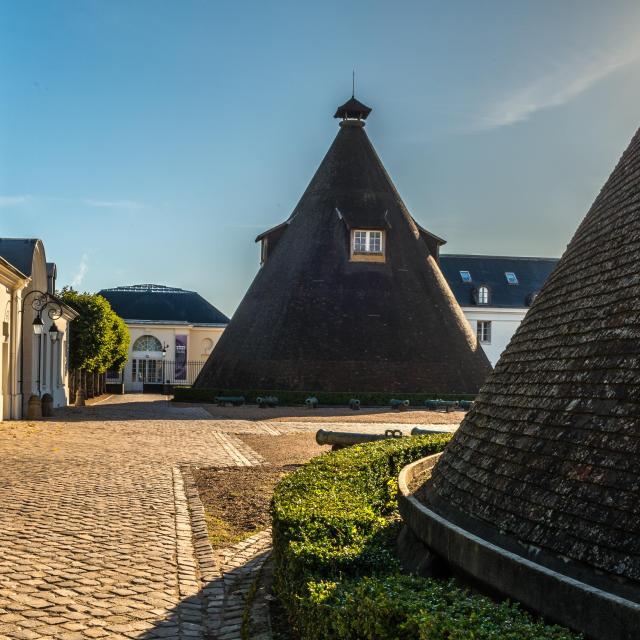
(335, 522)
(291, 398)
(99, 339)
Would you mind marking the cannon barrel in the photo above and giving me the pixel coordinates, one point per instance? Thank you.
(441, 405)
(266, 401)
(419, 431)
(354, 404)
(340, 439)
(236, 401)
(312, 402)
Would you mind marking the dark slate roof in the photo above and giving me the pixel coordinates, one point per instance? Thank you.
(353, 108)
(19, 253)
(314, 320)
(549, 458)
(157, 303)
(490, 271)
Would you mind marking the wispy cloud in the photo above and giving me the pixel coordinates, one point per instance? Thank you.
(81, 271)
(555, 88)
(113, 204)
(11, 201)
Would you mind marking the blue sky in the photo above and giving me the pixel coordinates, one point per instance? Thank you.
(151, 141)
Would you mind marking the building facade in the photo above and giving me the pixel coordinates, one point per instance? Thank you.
(349, 295)
(35, 329)
(495, 293)
(172, 331)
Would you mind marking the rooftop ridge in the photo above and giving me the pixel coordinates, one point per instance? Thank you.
(492, 257)
(154, 288)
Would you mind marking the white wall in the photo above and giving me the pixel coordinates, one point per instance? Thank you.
(200, 343)
(504, 323)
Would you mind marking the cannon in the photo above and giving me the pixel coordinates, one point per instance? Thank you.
(311, 402)
(341, 439)
(419, 431)
(441, 405)
(223, 401)
(466, 405)
(266, 401)
(354, 404)
(398, 405)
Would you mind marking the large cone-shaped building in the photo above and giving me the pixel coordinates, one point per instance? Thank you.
(538, 494)
(349, 296)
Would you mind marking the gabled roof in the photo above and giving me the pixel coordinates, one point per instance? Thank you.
(19, 253)
(313, 319)
(548, 461)
(490, 271)
(157, 303)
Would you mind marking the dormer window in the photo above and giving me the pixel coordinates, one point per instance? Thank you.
(367, 245)
(483, 294)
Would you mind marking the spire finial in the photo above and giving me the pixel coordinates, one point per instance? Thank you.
(353, 83)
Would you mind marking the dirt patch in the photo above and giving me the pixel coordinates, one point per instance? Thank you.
(333, 414)
(236, 500)
(293, 449)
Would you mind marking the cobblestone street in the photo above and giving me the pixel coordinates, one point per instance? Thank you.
(96, 540)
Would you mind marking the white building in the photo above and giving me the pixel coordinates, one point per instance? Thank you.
(35, 329)
(495, 293)
(172, 331)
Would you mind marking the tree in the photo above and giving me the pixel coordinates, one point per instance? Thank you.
(98, 338)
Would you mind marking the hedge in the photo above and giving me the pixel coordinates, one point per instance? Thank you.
(331, 398)
(335, 522)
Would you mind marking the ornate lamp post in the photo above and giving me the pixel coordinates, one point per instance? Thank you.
(40, 302)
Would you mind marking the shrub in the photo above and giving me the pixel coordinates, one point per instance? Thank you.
(335, 521)
(288, 398)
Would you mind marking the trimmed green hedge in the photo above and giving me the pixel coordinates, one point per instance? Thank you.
(335, 522)
(331, 398)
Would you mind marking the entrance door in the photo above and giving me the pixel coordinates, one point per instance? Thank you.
(145, 372)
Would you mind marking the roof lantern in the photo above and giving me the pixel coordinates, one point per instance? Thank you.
(353, 109)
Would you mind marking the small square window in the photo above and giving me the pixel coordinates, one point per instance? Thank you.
(367, 243)
(466, 276)
(511, 277)
(484, 331)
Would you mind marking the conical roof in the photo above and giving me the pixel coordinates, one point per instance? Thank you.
(314, 319)
(548, 462)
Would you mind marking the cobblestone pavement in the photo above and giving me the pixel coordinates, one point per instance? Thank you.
(97, 539)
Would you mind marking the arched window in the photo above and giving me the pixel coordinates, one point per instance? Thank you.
(483, 294)
(147, 343)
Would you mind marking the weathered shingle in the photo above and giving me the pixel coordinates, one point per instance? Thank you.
(550, 455)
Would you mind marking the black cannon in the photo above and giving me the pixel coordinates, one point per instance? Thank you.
(398, 405)
(354, 404)
(341, 439)
(311, 402)
(267, 401)
(223, 401)
(441, 405)
(466, 405)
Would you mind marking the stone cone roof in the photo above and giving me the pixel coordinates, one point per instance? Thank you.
(313, 320)
(548, 462)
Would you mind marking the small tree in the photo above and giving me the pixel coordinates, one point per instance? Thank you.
(99, 339)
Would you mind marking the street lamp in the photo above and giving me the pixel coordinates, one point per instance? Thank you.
(38, 325)
(41, 300)
(54, 332)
